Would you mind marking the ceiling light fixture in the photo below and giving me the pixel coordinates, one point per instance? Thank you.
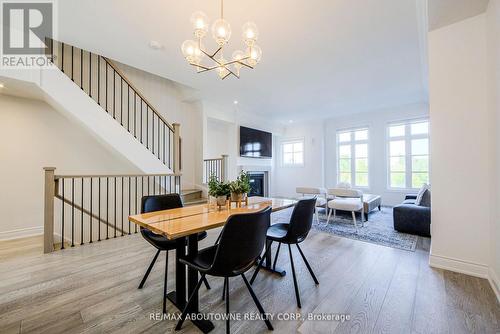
(235, 102)
(194, 51)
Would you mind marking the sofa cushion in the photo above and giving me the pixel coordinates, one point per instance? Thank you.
(409, 201)
(346, 204)
(426, 199)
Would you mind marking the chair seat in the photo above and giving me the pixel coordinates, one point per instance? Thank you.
(320, 201)
(278, 231)
(345, 204)
(161, 242)
(203, 260)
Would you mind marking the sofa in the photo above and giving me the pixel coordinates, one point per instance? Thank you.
(412, 218)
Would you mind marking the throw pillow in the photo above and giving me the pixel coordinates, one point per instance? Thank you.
(426, 199)
(421, 194)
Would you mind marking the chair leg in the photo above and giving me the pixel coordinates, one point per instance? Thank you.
(165, 285)
(260, 264)
(149, 269)
(206, 284)
(297, 296)
(316, 215)
(329, 214)
(257, 303)
(334, 213)
(186, 308)
(307, 265)
(224, 288)
(227, 306)
(354, 219)
(276, 256)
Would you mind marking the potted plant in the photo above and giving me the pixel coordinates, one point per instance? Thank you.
(240, 187)
(218, 189)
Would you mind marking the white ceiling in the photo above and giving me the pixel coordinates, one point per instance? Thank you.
(445, 12)
(321, 58)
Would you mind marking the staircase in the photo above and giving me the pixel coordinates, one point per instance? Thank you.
(192, 197)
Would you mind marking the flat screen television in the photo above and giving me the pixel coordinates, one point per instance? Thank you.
(255, 143)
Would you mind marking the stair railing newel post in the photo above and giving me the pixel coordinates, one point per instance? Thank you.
(177, 148)
(50, 186)
(225, 167)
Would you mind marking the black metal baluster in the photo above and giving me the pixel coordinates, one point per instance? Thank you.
(106, 66)
(72, 212)
(147, 126)
(62, 215)
(90, 75)
(99, 213)
(122, 208)
(72, 61)
(149, 181)
(81, 230)
(107, 208)
(62, 57)
(91, 206)
(135, 115)
(153, 133)
(141, 122)
(114, 215)
(98, 79)
(121, 101)
(114, 93)
(128, 107)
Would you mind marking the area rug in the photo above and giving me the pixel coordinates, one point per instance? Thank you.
(378, 229)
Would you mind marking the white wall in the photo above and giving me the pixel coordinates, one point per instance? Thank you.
(311, 173)
(32, 136)
(461, 147)
(493, 26)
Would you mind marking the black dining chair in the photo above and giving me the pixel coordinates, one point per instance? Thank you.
(292, 233)
(241, 241)
(158, 203)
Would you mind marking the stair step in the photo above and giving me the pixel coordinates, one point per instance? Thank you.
(195, 202)
(191, 194)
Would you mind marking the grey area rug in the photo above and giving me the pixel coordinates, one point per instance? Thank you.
(378, 229)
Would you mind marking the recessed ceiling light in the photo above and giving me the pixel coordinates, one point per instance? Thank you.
(235, 102)
(155, 45)
(290, 121)
(2, 85)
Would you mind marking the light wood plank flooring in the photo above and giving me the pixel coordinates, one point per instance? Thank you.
(93, 289)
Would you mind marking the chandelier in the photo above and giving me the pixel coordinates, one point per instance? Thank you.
(195, 52)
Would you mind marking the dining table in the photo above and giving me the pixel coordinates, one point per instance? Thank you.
(183, 225)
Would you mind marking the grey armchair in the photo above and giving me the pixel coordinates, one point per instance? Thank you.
(412, 218)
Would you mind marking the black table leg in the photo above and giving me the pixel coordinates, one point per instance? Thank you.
(268, 262)
(204, 325)
(178, 297)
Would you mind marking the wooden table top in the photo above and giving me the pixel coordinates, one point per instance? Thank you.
(188, 220)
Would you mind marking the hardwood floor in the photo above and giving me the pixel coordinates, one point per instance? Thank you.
(93, 289)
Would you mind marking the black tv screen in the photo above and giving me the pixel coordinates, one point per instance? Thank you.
(255, 143)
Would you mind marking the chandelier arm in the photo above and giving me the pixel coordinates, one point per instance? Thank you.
(200, 66)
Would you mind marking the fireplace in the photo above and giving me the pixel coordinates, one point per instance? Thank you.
(258, 184)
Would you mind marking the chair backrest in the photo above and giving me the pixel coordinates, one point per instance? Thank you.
(344, 192)
(310, 191)
(301, 219)
(161, 202)
(241, 242)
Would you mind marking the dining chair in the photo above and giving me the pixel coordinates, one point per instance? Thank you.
(345, 199)
(241, 242)
(321, 198)
(291, 233)
(158, 203)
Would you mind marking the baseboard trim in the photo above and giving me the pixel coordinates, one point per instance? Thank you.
(21, 233)
(495, 283)
(459, 266)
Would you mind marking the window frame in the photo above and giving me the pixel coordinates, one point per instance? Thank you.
(282, 152)
(352, 143)
(407, 138)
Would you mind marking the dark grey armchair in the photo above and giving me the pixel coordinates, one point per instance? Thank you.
(412, 218)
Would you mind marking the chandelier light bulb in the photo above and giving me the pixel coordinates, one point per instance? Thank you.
(190, 50)
(255, 54)
(250, 33)
(199, 20)
(238, 55)
(221, 31)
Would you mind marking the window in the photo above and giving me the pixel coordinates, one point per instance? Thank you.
(408, 154)
(292, 153)
(352, 157)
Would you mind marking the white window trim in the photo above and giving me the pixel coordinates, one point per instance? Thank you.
(282, 152)
(408, 157)
(353, 143)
